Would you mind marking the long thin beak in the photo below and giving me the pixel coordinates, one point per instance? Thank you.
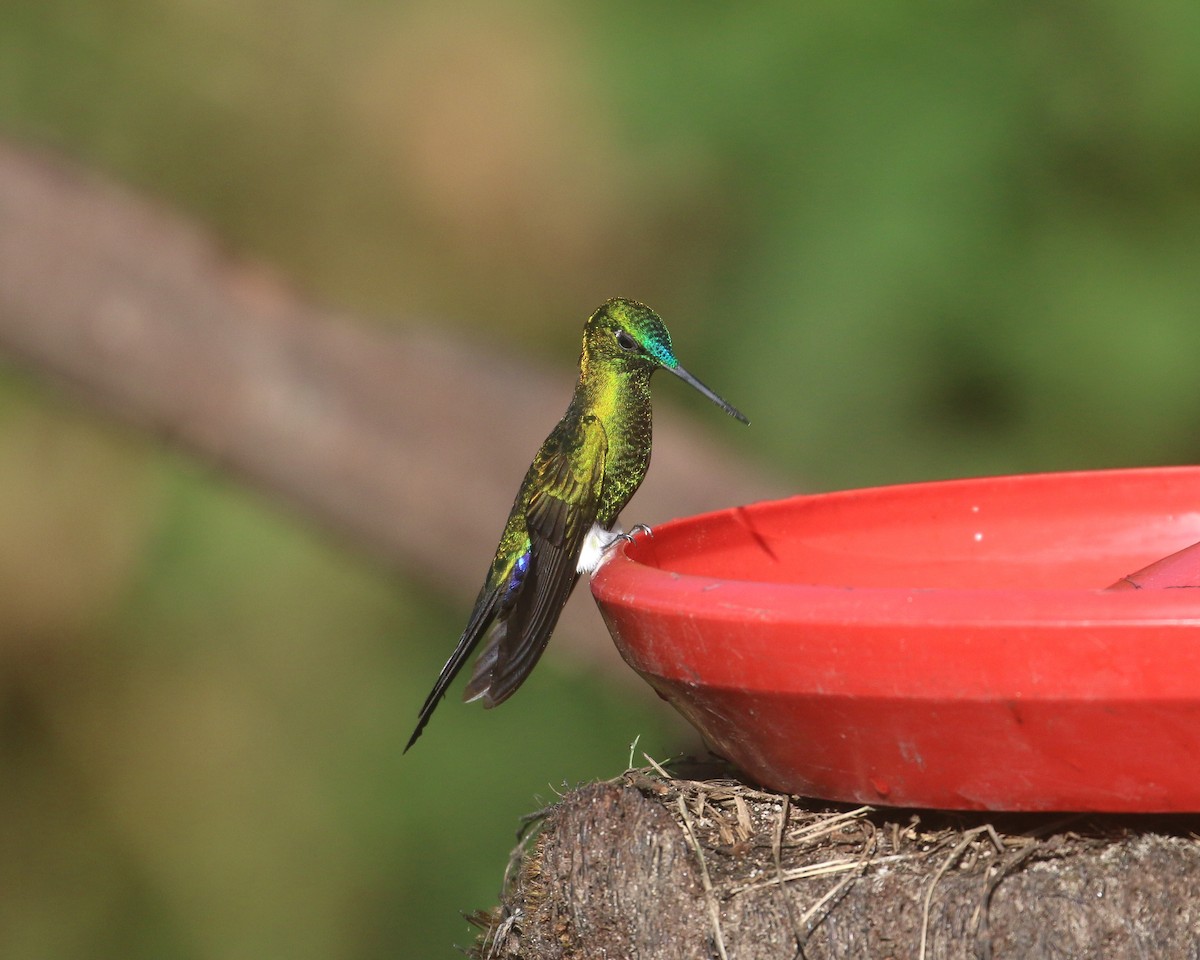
(725, 405)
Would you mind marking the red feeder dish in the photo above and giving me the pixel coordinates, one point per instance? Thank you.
(943, 645)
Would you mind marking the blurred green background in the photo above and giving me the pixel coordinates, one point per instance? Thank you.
(911, 241)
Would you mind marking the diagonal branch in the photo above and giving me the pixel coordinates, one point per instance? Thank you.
(406, 441)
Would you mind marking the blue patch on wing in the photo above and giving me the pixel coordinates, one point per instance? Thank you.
(516, 578)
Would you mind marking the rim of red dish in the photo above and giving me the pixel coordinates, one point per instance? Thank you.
(630, 578)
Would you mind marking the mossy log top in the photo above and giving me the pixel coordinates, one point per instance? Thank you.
(648, 866)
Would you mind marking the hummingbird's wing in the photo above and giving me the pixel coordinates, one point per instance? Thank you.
(521, 600)
(561, 510)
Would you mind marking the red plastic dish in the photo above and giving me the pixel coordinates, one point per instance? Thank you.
(943, 644)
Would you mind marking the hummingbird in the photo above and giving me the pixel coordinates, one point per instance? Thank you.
(564, 517)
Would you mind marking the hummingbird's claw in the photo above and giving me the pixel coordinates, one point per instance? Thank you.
(628, 537)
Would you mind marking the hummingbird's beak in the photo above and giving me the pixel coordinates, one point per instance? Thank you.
(725, 405)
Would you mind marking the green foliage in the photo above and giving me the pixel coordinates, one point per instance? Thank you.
(909, 241)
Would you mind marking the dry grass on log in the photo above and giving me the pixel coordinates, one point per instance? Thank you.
(653, 865)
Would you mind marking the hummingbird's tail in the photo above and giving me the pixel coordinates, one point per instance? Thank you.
(482, 619)
(516, 616)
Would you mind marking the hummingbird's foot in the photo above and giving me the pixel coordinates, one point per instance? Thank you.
(629, 537)
(598, 544)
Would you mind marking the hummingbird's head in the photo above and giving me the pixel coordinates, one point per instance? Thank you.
(627, 335)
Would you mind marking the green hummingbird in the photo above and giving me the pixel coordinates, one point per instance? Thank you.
(564, 516)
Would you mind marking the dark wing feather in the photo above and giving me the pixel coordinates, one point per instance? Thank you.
(560, 511)
(487, 605)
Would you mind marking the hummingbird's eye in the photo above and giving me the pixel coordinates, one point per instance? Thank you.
(625, 341)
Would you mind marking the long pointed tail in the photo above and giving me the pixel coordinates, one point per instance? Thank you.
(481, 620)
(445, 678)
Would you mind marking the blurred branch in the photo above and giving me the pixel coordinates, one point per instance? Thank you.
(407, 441)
